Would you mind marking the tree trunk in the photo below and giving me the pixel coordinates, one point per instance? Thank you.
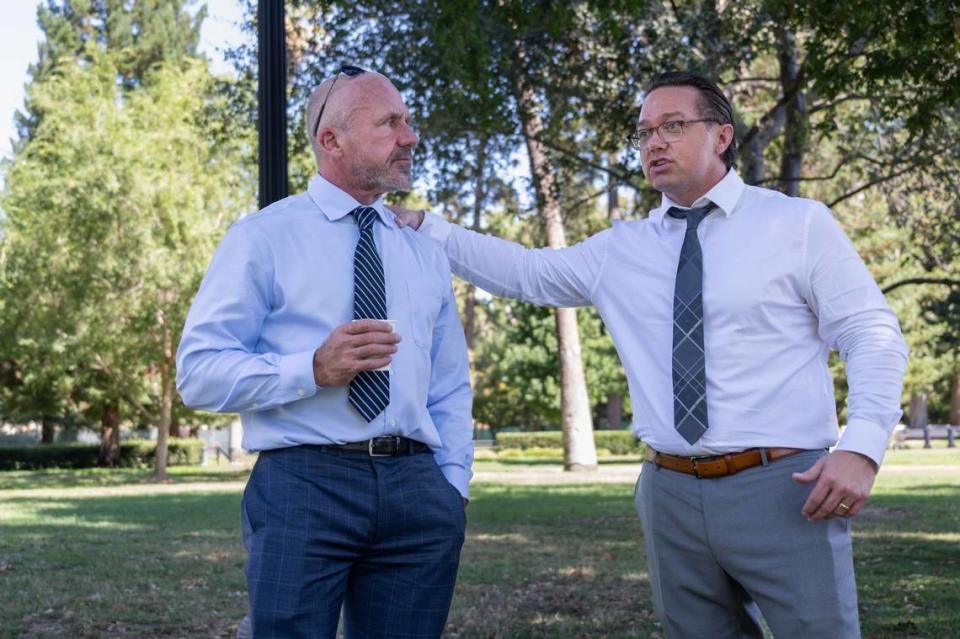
(469, 317)
(919, 417)
(173, 428)
(795, 132)
(109, 435)
(615, 411)
(614, 400)
(955, 400)
(711, 39)
(236, 441)
(752, 169)
(167, 390)
(613, 193)
(48, 429)
(579, 450)
(479, 195)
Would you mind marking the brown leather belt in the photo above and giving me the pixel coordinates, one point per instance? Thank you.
(719, 465)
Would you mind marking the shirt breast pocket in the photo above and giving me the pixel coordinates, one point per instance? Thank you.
(423, 305)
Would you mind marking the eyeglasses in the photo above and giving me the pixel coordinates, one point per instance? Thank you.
(348, 70)
(668, 132)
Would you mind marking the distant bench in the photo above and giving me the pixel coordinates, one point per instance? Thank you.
(902, 433)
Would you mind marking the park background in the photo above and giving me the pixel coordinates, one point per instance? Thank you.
(136, 147)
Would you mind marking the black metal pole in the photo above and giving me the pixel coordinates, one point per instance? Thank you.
(272, 99)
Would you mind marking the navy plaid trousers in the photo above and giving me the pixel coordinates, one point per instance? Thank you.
(378, 537)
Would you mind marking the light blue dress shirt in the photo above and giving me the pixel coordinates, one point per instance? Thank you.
(279, 284)
(782, 285)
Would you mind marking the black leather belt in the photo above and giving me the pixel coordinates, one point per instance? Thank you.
(386, 446)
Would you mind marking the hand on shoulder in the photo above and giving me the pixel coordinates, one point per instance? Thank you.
(407, 217)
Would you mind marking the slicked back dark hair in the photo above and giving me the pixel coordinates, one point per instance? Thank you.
(712, 103)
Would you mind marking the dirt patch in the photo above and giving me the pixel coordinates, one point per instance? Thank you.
(51, 624)
(553, 475)
(569, 604)
(882, 513)
(131, 490)
(906, 469)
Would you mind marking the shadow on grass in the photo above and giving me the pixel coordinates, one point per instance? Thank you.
(122, 566)
(105, 477)
(907, 558)
(539, 562)
(552, 561)
(948, 488)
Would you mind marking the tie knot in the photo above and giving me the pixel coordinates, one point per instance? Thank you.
(365, 216)
(693, 216)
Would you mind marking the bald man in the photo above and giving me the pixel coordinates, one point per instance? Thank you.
(335, 335)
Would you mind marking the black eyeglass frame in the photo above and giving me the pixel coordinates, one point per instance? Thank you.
(348, 70)
(638, 145)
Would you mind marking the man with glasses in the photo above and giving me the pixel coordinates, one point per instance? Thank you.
(334, 333)
(724, 304)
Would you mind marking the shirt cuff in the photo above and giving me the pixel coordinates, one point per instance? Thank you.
(865, 437)
(296, 375)
(459, 477)
(436, 227)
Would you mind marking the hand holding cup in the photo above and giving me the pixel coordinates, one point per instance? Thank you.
(360, 345)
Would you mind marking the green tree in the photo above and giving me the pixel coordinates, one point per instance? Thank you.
(853, 103)
(114, 207)
(141, 34)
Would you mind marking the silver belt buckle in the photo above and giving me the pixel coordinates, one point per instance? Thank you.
(372, 442)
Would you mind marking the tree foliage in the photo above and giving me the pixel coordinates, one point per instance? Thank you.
(114, 206)
(139, 35)
(855, 104)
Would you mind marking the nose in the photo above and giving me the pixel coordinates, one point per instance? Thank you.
(655, 142)
(408, 137)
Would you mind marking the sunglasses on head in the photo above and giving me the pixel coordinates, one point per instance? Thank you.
(348, 70)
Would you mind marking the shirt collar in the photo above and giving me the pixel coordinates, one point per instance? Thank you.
(335, 203)
(725, 194)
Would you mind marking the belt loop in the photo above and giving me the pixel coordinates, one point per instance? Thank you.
(731, 467)
(763, 456)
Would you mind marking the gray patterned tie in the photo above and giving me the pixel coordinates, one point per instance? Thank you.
(689, 365)
(370, 390)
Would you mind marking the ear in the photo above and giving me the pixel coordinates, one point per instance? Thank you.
(329, 141)
(724, 138)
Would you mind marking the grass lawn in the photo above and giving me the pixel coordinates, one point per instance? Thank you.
(106, 554)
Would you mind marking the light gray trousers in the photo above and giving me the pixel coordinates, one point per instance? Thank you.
(720, 551)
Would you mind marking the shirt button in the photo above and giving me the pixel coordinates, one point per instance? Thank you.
(301, 392)
(391, 422)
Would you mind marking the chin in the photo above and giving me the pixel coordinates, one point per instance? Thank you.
(402, 183)
(659, 182)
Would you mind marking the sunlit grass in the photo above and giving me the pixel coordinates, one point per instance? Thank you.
(80, 556)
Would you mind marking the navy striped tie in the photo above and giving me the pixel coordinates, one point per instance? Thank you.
(689, 357)
(369, 390)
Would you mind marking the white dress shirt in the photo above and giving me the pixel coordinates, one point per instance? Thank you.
(782, 285)
(280, 282)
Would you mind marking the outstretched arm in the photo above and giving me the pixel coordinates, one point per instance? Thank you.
(548, 277)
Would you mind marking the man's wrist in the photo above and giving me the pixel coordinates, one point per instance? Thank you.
(873, 464)
(318, 369)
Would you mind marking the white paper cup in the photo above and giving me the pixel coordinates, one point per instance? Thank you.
(393, 329)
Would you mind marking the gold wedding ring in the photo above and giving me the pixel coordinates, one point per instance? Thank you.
(844, 506)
